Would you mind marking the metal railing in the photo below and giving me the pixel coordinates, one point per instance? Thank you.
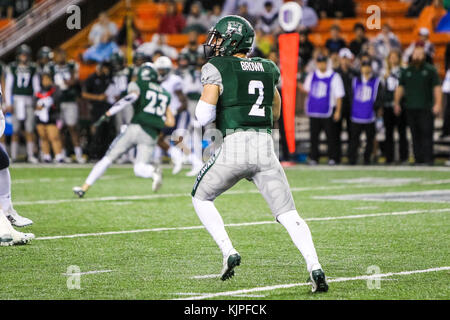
(31, 22)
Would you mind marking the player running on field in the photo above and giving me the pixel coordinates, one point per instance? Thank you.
(239, 93)
(151, 114)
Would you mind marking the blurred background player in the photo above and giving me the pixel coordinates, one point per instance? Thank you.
(21, 83)
(178, 105)
(65, 75)
(189, 70)
(151, 114)
(44, 58)
(46, 116)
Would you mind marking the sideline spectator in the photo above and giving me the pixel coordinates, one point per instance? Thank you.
(46, 116)
(192, 51)
(420, 85)
(103, 31)
(390, 119)
(335, 42)
(94, 90)
(215, 15)
(306, 48)
(158, 43)
(196, 19)
(325, 92)
(243, 12)
(367, 101)
(334, 8)
(416, 7)
(424, 42)
(357, 44)
(386, 41)
(121, 38)
(172, 21)
(309, 16)
(347, 73)
(268, 19)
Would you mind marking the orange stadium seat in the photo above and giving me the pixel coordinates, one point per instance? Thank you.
(440, 38)
(147, 25)
(86, 70)
(178, 40)
(4, 23)
(389, 9)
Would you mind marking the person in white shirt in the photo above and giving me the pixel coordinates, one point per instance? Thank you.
(158, 43)
(325, 91)
(103, 29)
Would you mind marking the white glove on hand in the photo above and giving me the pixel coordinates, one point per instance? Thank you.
(2, 123)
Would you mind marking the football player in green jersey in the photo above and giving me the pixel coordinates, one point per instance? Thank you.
(65, 76)
(44, 59)
(22, 81)
(151, 114)
(240, 95)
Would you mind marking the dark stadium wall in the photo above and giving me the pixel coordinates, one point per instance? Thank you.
(57, 33)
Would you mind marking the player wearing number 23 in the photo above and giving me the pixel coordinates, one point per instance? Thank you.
(240, 95)
(151, 113)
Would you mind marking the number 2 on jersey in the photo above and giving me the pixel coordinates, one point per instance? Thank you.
(256, 110)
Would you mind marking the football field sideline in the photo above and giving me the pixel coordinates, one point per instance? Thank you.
(357, 216)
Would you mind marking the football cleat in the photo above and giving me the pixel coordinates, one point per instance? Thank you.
(17, 220)
(229, 263)
(157, 180)
(33, 160)
(5, 239)
(318, 281)
(81, 160)
(78, 192)
(17, 239)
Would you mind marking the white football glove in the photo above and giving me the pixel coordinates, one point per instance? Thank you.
(2, 123)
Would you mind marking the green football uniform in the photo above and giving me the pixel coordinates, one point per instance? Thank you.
(150, 108)
(62, 73)
(246, 92)
(22, 81)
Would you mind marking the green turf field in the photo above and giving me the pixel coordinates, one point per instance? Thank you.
(153, 253)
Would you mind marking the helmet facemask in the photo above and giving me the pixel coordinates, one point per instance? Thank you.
(213, 45)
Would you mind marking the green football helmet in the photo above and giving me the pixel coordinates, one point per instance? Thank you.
(117, 61)
(230, 35)
(147, 72)
(45, 53)
(23, 49)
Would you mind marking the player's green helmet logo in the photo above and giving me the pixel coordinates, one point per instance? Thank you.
(147, 72)
(230, 35)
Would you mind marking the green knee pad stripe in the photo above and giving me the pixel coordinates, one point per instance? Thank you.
(204, 170)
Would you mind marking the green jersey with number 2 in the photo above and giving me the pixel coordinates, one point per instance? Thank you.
(247, 87)
(150, 108)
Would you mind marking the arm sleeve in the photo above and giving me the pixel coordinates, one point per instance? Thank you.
(122, 103)
(205, 113)
(36, 83)
(211, 75)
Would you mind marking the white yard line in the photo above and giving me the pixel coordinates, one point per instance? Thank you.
(87, 272)
(176, 195)
(292, 285)
(62, 179)
(359, 216)
(206, 276)
(367, 168)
